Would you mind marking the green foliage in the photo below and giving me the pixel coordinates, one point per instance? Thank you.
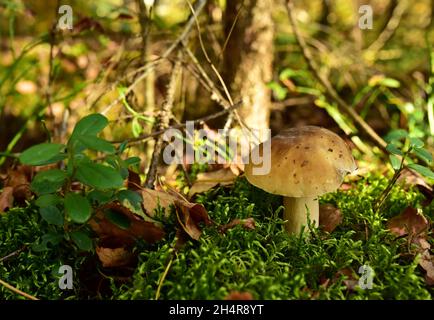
(34, 271)
(401, 143)
(63, 208)
(271, 264)
(42, 154)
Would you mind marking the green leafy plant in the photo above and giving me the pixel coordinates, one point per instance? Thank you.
(69, 194)
(404, 150)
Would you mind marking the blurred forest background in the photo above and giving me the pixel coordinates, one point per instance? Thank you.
(117, 59)
(152, 64)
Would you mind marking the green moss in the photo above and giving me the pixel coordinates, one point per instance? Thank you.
(266, 262)
(32, 272)
(273, 265)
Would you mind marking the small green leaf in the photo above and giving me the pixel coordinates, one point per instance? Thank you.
(82, 240)
(99, 176)
(117, 219)
(424, 155)
(123, 146)
(89, 125)
(132, 161)
(131, 200)
(389, 82)
(396, 135)
(393, 149)
(100, 197)
(426, 172)
(279, 91)
(52, 215)
(47, 238)
(77, 207)
(97, 144)
(136, 128)
(48, 181)
(395, 162)
(48, 200)
(42, 154)
(416, 143)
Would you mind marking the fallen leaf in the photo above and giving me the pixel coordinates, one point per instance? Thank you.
(6, 199)
(350, 280)
(248, 223)
(154, 198)
(410, 222)
(427, 263)
(114, 257)
(133, 181)
(411, 178)
(329, 217)
(346, 187)
(237, 295)
(190, 215)
(208, 180)
(137, 229)
(19, 178)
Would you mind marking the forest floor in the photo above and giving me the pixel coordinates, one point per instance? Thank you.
(252, 258)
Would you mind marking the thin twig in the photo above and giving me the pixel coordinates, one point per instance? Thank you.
(391, 27)
(10, 255)
(181, 39)
(163, 276)
(163, 123)
(214, 69)
(52, 40)
(17, 291)
(145, 26)
(330, 91)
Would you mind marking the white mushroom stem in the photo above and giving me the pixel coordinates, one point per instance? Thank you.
(298, 211)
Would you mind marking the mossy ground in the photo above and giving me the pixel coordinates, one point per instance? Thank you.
(266, 261)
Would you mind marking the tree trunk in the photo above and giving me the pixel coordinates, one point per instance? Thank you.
(248, 58)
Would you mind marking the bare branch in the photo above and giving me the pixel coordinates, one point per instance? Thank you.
(162, 123)
(151, 65)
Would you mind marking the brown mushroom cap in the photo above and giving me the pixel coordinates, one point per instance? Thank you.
(305, 162)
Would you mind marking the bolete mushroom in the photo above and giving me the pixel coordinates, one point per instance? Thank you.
(306, 163)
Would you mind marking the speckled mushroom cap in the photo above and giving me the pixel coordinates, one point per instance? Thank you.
(305, 162)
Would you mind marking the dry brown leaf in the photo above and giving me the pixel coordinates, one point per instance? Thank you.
(350, 280)
(427, 260)
(427, 263)
(134, 182)
(19, 179)
(237, 295)
(190, 215)
(248, 223)
(408, 222)
(329, 217)
(6, 199)
(113, 257)
(154, 198)
(208, 180)
(138, 229)
(411, 178)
